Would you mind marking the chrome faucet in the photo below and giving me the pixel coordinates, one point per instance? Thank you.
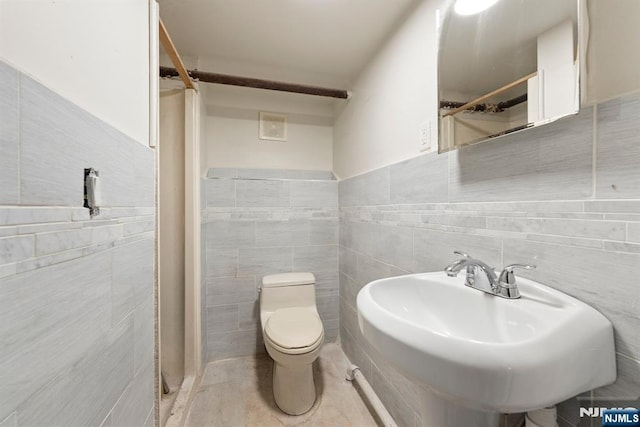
(484, 278)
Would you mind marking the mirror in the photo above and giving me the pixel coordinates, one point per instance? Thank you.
(505, 69)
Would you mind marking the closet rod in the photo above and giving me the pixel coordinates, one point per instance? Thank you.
(226, 79)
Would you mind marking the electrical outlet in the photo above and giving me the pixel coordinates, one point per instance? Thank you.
(425, 135)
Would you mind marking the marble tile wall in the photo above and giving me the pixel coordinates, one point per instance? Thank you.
(260, 222)
(76, 294)
(565, 196)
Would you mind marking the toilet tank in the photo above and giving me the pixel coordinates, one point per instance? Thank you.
(287, 290)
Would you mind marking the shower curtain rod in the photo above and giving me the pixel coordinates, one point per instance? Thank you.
(226, 79)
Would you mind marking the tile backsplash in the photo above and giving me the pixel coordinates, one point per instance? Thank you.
(76, 294)
(565, 196)
(259, 222)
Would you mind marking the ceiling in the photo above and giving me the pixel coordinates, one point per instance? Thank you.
(333, 38)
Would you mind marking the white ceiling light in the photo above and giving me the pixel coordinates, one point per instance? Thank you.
(471, 7)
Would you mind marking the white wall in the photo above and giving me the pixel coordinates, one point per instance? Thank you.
(613, 63)
(395, 94)
(233, 123)
(94, 53)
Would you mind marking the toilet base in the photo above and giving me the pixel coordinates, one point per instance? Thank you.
(293, 388)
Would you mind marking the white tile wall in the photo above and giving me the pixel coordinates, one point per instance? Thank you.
(261, 222)
(9, 136)
(59, 140)
(618, 149)
(527, 197)
(552, 162)
(10, 421)
(76, 294)
(83, 395)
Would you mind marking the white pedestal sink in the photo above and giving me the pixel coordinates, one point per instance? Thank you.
(488, 353)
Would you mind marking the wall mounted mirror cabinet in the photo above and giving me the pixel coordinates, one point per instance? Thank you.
(507, 68)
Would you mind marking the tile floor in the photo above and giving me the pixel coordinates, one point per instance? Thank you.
(237, 392)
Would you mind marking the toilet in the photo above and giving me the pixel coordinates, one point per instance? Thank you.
(293, 335)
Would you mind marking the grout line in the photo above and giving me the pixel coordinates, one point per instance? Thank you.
(388, 168)
(19, 110)
(34, 241)
(594, 152)
(235, 194)
(449, 154)
(626, 231)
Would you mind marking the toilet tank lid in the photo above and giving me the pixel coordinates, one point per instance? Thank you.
(288, 279)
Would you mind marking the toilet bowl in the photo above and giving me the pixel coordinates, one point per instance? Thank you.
(293, 335)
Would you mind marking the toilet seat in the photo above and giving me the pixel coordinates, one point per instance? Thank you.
(294, 330)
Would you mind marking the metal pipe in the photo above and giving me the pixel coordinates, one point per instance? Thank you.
(354, 374)
(546, 417)
(226, 79)
(513, 101)
(490, 108)
(492, 94)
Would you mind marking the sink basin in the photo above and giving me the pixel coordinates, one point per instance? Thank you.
(485, 352)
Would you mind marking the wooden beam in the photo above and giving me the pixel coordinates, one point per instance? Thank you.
(170, 48)
(490, 94)
(258, 83)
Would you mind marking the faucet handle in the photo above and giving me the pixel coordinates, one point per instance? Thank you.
(462, 254)
(507, 277)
